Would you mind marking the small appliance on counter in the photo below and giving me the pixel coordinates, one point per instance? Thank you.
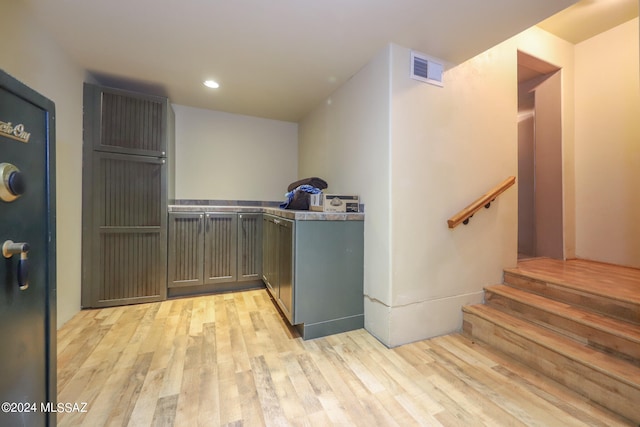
(334, 203)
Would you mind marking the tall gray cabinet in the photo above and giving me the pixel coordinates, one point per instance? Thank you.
(128, 140)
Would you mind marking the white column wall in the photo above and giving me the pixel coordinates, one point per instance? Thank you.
(449, 146)
(345, 140)
(608, 147)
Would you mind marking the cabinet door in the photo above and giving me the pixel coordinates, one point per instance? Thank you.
(268, 242)
(125, 237)
(285, 267)
(128, 123)
(124, 207)
(220, 248)
(186, 249)
(249, 246)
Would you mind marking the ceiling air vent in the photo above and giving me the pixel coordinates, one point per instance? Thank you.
(425, 69)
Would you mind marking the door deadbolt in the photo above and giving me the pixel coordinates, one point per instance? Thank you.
(12, 183)
(9, 249)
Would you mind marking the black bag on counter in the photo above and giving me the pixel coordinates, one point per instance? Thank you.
(300, 202)
(314, 182)
(299, 193)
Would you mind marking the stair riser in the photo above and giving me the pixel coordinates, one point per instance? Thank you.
(622, 310)
(598, 387)
(596, 338)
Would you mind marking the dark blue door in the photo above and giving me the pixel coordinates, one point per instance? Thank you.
(27, 264)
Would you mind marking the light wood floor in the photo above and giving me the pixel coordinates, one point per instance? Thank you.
(599, 278)
(229, 359)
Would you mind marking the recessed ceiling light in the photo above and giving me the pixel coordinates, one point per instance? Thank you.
(212, 84)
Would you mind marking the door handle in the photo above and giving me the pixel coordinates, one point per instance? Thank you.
(9, 249)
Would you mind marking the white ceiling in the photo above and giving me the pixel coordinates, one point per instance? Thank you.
(275, 59)
(587, 18)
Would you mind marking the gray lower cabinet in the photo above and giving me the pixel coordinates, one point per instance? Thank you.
(286, 231)
(277, 268)
(220, 248)
(186, 249)
(314, 271)
(213, 251)
(249, 247)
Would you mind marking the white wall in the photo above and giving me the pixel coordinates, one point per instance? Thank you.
(345, 141)
(223, 156)
(608, 147)
(449, 146)
(440, 149)
(30, 55)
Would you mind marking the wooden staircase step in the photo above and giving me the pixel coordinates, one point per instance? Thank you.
(612, 335)
(603, 378)
(608, 289)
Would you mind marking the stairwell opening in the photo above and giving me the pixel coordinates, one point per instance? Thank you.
(540, 185)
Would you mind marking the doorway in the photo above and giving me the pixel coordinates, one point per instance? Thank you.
(540, 195)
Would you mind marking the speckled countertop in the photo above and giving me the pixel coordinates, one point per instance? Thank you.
(271, 210)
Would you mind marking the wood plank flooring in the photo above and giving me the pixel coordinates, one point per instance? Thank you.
(231, 360)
